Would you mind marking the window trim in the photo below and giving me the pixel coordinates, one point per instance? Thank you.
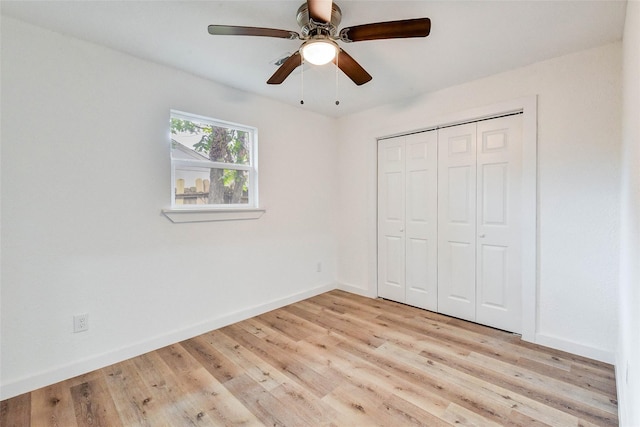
(221, 212)
(179, 216)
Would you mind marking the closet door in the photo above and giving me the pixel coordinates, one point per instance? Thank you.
(457, 221)
(498, 279)
(407, 219)
(449, 232)
(391, 217)
(421, 220)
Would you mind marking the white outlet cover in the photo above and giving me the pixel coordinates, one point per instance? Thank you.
(80, 323)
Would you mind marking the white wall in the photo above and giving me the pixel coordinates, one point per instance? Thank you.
(85, 174)
(628, 357)
(579, 113)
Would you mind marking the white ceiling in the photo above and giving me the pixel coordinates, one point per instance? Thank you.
(468, 40)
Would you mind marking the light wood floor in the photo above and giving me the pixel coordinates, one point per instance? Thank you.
(335, 359)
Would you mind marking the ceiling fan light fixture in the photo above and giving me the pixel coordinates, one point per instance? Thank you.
(319, 52)
(318, 21)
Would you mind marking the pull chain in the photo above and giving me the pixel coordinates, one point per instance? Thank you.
(337, 75)
(302, 82)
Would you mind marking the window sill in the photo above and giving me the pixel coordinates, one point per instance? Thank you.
(206, 215)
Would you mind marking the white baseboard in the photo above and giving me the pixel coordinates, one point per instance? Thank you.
(79, 367)
(358, 291)
(595, 353)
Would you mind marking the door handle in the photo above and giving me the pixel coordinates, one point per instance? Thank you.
(482, 236)
(401, 229)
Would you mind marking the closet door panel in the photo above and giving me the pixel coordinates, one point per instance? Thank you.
(493, 280)
(421, 220)
(457, 221)
(418, 268)
(394, 265)
(494, 179)
(499, 245)
(459, 287)
(391, 218)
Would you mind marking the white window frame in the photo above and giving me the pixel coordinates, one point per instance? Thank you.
(217, 212)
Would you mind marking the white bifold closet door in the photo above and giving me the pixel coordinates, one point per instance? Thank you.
(479, 243)
(407, 219)
(449, 235)
(457, 221)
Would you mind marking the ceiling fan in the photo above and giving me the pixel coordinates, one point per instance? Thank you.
(319, 20)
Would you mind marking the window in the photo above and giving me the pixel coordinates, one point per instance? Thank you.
(213, 164)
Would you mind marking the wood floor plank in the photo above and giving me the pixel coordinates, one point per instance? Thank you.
(16, 412)
(454, 337)
(455, 370)
(336, 359)
(205, 391)
(202, 349)
(405, 412)
(178, 407)
(336, 324)
(133, 401)
(586, 396)
(518, 388)
(574, 358)
(605, 382)
(262, 372)
(178, 359)
(459, 415)
(567, 375)
(265, 406)
(363, 374)
(288, 325)
(295, 369)
(381, 306)
(457, 390)
(357, 408)
(344, 304)
(52, 407)
(94, 405)
(313, 411)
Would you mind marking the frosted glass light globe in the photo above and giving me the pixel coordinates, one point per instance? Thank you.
(319, 52)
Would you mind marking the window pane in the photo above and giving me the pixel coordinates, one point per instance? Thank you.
(207, 141)
(211, 186)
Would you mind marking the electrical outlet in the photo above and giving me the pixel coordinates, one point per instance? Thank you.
(80, 322)
(319, 267)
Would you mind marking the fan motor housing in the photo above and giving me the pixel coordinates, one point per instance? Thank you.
(310, 28)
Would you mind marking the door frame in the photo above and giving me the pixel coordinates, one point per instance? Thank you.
(528, 106)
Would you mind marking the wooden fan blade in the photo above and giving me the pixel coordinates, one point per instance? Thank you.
(230, 30)
(293, 62)
(320, 10)
(420, 27)
(351, 68)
